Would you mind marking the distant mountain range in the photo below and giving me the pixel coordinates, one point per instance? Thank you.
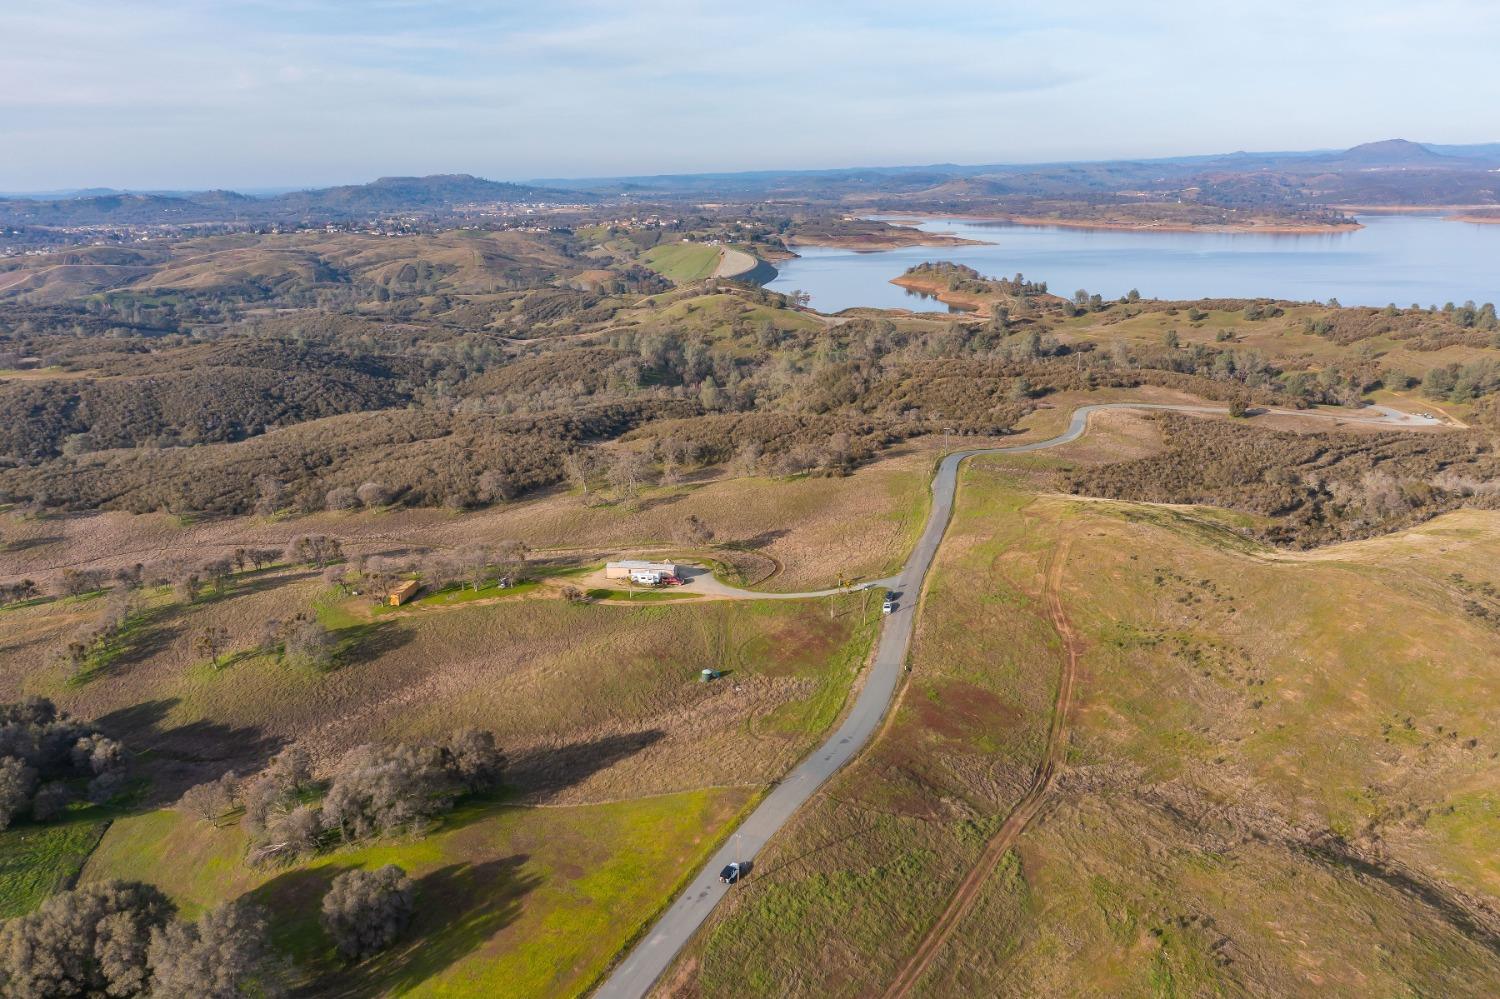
(355, 201)
(1392, 171)
(1386, 154)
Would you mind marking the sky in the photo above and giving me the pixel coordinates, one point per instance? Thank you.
(191, 94)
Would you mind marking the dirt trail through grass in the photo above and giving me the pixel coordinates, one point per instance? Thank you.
(1025, 810)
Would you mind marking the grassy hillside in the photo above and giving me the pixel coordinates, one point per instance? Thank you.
(624, 769)
(512, 901)
(1278, 772)
(590, 701)
(796, 533)
(683, 262)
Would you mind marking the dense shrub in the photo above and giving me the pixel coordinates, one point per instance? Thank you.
(365, 912)
(1317, 488)
(42, 751)
(225, 955)
(91, 941)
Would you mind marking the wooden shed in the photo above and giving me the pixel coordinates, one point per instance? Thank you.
(401, 594)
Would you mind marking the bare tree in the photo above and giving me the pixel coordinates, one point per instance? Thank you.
(579, 465)
(476, 563)
(341, 498)
(338, 577)
(307, 641)
(210, 800)
(694, 532)
(373, 494)
(188, 587)
(628, 473)
(212, 641)
(496, 486)
(747, 461)
(270, 495)
(671, 451)
(512, 554)
(219, 573)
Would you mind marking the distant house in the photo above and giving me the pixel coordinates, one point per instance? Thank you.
(641, 573)
(404, 592)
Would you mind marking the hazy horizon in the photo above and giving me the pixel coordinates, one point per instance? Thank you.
(273, 190)
(186, 95)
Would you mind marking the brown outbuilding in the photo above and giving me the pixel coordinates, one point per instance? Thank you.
(401, 594)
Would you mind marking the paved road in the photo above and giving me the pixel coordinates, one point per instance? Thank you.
(703, 581)
(652, 955)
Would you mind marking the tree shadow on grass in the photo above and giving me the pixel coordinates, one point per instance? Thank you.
(459, 907)
(25, 544)
(361, 643)
(248, 582)
(658, 501)
(144, 635)
(759, 541)
(545, 771)
(176, 757)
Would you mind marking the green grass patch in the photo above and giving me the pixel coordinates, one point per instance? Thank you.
(511, 900)
(461, 593)
(38, 859)
(604, 593)
(818, 711)
(683, 262)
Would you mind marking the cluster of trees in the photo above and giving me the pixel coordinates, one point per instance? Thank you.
(1462, 382)
(1315, 489)
(21, 589)
(373, 790)
(1257, 311)
(778, 443)
(120, 939)
(959, 277)
(1417, 328)
(48, 759)
(425, 457)
(474, 566)
(301, 639)
(123, 940)
(95, 642)
(214, 394)
(370, 495)
(318, 550)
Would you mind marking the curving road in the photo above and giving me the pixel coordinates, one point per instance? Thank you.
(634, 976)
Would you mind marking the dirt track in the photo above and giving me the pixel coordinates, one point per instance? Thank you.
(1024, 811)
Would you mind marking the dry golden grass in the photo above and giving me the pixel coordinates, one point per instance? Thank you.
(591, 701)
(1280, 780)
(815, 529)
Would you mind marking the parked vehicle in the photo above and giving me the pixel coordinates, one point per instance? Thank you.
(710, 674)
(730, 874)
(888, 606)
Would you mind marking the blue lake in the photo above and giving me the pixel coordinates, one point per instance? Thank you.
(1406, 259)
